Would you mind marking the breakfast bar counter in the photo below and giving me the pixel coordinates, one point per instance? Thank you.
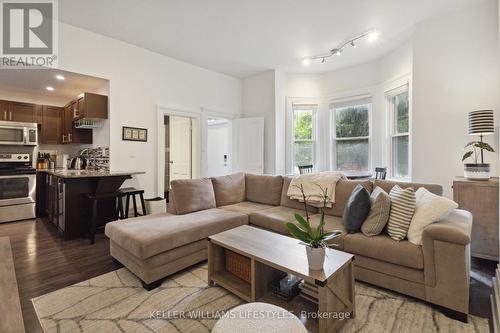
(63, 197)
(88, 173)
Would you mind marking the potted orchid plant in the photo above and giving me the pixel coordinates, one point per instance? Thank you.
(314, 238)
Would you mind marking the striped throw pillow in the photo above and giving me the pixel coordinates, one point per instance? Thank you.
(402, 209)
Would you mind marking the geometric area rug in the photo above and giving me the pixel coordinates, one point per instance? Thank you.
(116, 302)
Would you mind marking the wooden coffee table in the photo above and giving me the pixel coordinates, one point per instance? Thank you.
(271, 254)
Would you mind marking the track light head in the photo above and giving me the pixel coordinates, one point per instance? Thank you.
(373, 35)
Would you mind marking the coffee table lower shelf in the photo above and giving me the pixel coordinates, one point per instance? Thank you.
(237, 286)
(334, 296)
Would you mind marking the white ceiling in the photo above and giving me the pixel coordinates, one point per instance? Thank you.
(35, 81)
(244, 37)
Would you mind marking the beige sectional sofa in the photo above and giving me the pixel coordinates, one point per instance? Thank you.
(155, 246)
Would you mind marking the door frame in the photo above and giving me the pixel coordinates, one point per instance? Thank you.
(161, 112)
(199, 149)
(207, 113)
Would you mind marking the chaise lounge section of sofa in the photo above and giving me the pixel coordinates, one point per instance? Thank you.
(156, 246)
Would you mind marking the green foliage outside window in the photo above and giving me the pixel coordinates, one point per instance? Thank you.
(303, 124)
(303, 133)
(352, 121)
(402, 114)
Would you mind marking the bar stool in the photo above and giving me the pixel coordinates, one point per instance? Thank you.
(94, 199)
(131, 192)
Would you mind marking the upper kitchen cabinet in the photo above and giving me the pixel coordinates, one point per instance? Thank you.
(4, 110)
(70, 134)
(90, 106)
(24, 112)
(17, 111)
(51, 125)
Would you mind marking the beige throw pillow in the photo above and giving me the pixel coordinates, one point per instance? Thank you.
(379, 213)
(401, 213)
(429, 208)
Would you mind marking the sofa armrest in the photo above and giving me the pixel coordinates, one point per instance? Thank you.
(446, 249)
(456, 228)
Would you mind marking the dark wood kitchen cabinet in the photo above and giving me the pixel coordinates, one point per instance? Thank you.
(24, 112)
(4, 110)
(70, 134)
(17, 111)
(90, 106)
(51, 125)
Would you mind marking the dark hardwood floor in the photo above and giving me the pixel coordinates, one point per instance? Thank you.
(45, 263)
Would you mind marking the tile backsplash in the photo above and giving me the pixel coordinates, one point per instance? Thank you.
(97, 158)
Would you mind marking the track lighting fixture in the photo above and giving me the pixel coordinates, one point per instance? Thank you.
(371, 35)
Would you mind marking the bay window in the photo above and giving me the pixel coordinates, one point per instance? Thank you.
(351, 135)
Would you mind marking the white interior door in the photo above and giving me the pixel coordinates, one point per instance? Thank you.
(218, 143)
(180, 148)
(248, 145)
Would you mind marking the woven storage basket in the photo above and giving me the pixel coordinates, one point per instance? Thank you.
(238, 265)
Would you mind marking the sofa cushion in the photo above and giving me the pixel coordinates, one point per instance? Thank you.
(275, 218)
(150, 235)
(379, 213)
(287, 202)
(343, 191)
(246, 207)
(356, 209)
(229, 189)
(332, 223)
(382, 247)
(387, 186)
(263, 189)
(191, 195)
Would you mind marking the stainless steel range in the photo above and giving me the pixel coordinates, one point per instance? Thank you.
(17, 187)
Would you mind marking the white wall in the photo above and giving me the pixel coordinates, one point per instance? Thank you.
(259, 100)
(455, 68)
(280, 119)
(139, 81)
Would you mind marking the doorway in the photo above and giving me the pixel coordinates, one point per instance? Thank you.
(218, 147)
(178, 149)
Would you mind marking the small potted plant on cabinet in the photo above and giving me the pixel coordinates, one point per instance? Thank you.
(479, 171)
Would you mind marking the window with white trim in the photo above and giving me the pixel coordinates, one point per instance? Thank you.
(398, 107)
(303, 135)
(351, 135)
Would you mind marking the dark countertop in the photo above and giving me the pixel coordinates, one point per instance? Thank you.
(88, 173)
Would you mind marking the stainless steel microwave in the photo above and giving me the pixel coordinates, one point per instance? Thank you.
(17, 133)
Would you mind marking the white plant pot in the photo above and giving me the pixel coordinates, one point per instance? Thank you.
(315, 257)
(477, 171)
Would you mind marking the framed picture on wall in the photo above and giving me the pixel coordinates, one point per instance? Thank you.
(134, 134)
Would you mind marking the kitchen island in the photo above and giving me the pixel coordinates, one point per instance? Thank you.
(62, 197)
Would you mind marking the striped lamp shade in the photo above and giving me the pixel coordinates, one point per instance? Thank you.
(481, 122)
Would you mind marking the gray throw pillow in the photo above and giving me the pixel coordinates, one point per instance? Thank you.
(356, 209)
(379, 213)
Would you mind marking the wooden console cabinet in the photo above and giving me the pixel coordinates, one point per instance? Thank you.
(481, 199)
